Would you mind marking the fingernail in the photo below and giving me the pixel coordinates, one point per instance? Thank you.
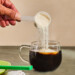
(17, 17)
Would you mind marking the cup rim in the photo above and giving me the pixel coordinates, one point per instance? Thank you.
(56, 44)
(50, 41)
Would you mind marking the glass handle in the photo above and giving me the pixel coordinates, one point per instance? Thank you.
(20, 55)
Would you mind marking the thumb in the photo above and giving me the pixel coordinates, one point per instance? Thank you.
(9, 12)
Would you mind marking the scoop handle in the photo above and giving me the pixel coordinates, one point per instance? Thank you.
(27, 18)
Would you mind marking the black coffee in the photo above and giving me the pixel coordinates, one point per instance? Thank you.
(45, 61)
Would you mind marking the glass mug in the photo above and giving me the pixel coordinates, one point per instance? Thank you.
(43, 60)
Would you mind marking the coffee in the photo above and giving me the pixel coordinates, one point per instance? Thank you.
(45, 61)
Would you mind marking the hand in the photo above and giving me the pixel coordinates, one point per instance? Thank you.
(8, 13)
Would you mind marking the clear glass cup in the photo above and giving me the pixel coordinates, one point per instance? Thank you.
(42, 59)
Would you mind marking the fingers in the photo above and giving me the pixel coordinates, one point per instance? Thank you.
(6, 21)
(2, 22)
(1, 1)
(8, 9)
(7, 3)
(12, 22)
(10, 5)
(9, 12)
(18, 14)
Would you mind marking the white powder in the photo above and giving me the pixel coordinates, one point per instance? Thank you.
(15, 73)
(43, 20)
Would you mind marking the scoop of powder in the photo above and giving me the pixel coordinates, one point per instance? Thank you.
(42, 19)
(15, 73)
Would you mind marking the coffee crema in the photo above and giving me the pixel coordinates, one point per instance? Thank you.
(47, 51)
